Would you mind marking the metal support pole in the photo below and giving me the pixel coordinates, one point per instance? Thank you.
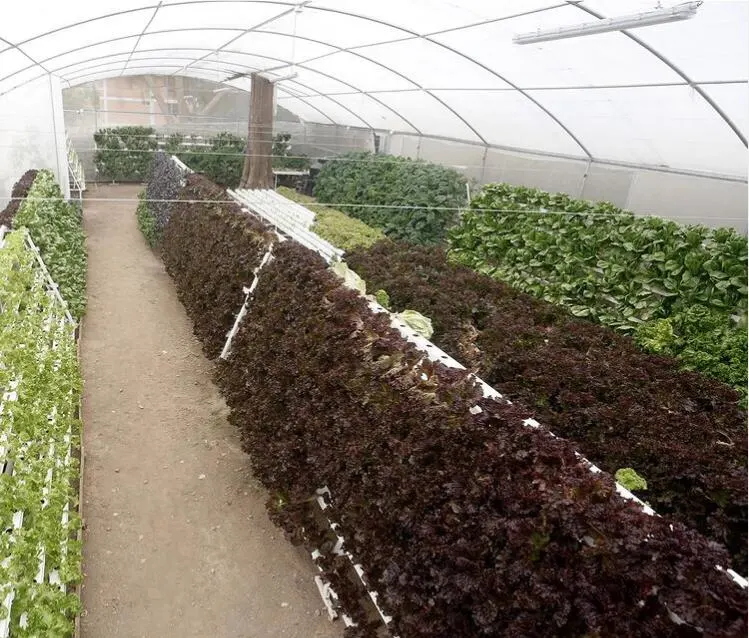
(585, 177)
(482, 179)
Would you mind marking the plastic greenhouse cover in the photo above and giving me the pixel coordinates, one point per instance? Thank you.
(672, 95)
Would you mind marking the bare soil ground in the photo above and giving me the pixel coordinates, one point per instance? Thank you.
(177, 542)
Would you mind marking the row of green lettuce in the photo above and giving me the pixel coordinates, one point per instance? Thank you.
(679, 290)
(466, 521)
(124, 154)
(56, 226)
(40, 389)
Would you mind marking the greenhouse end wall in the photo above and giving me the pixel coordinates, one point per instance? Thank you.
(33, 134)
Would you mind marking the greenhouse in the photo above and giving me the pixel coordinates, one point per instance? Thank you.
(367, 320)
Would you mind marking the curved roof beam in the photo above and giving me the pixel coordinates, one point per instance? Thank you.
(723, 115)
(285, 63)
(245, 32)
(75, 79)
(355, 90)
(292, 5)
(496, 74)
(233, 52)
(426, 37)
(23, 53)
(137, 42)
(302, 65)
(102, 75)
(80, 79)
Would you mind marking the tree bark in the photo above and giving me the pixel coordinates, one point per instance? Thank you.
(258, 163)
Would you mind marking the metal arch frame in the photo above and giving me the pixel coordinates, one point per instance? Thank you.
(137, 42)
(127, 37)
(242, 34)
(289, 94)
(75, 79)
(650, 49)
(642, 85)
(97, 75)
(204, 75)
(23, 53)
(303, 65)
(675, 68)
(292, 5)
(356, 90)
(107, 41)
(428, 38)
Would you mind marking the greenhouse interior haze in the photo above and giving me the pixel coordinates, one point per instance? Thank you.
(386, 319)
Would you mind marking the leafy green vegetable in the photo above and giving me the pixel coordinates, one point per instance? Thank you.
(123, 153)
(657, 336)
(620, 406)
(146, 221)
(608, 265)
(409, 199)
(350, 278)
(283, 156)
(416, 321)
(221, 159)
(164, 183)
(336, 227)
(705, 340)
(39, 426)
(382, 298)
(630, 479)
(56, 228)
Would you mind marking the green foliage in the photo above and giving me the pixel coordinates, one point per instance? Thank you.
(656, 336)
(382, 298)
(124, 153)
(336, 227)
(38, 357)
(350, 278)
(56, 228)
(174, 142)
(705, 340)
(222, 160)
(611, 266)
(630, 479)
(146, 221)
(409, 199)
(284, 158)
(416, 321)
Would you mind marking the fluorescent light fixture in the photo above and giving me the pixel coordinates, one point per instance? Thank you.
(634, 21)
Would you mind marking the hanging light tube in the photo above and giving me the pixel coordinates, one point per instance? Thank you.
(634, 21)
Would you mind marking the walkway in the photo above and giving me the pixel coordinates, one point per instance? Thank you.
(177, 543)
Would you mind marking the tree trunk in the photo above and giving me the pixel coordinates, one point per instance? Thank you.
(258, 163)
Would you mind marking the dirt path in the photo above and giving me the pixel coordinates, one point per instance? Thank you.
(177, 542)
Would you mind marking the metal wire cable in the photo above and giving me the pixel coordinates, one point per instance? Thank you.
(389, 206)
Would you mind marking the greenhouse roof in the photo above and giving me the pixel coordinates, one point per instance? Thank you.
(673, 95)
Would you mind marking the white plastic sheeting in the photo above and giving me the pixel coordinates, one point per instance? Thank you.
(672, 95)
(32, 134)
